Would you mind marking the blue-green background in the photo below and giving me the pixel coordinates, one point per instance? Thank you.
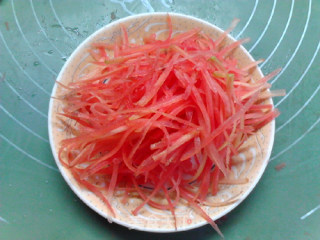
(36, 37)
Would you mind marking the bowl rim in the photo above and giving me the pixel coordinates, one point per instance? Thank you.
(78, 191)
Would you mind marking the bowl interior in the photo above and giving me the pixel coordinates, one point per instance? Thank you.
(251, 162)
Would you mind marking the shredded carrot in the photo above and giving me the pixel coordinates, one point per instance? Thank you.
(280, 166)
(168, 114)
(7, 26)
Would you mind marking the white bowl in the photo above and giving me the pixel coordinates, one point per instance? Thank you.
(256, 151)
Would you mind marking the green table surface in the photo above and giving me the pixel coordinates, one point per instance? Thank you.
(36, 38)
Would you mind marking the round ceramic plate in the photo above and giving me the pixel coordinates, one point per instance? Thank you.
(250, 163)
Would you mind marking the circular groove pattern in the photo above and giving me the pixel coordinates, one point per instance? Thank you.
(59, 21)
(249, 20)
(266, 27)
(42, 30)
(298, 46)
(282, 35)
(27, 42)
(20, 67)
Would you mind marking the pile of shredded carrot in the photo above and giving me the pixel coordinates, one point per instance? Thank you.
(162, 119)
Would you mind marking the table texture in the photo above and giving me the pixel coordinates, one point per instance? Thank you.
(36, 38)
